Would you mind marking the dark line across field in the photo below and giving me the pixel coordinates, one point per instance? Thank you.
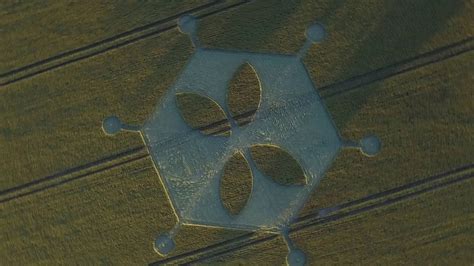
(398, 189)
(216, 126)
(315, 218)
(121, 39)
(312, 219)
(64, 181)
(336, 217)
(401, 67)
(110, 39)
(74, 169)
(327, 91)
(395, 69)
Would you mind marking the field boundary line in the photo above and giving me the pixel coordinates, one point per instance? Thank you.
(331, 214)
(114, 42)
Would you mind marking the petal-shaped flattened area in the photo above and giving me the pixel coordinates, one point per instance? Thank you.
(236, 183)
(202, 113)
(278, 164)
(244, 94)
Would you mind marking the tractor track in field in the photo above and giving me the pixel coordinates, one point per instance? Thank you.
(330, 214)
(350, 84)
(107, 40)
(67, 180)
(419, 61)
(353, 83)
(37, 185)
(318, 217)
(114, 42)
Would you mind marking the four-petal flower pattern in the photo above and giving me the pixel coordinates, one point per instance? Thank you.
(243, 99)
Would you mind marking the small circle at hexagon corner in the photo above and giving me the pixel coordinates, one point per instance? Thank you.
(296, 257)
(164, 244)
(111, 125)
(187, 24)
(316, 32)
(370, 145)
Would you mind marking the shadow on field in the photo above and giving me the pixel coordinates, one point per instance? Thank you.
(416, 22)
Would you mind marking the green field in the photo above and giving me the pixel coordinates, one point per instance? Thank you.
(51, 123)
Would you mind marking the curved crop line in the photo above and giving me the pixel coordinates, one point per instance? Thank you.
(237, 86)
(231, 204)
(186, 103)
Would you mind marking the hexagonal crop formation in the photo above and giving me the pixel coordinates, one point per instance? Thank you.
(290, 118)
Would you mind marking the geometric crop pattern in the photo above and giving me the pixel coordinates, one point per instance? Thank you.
(289, 121)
